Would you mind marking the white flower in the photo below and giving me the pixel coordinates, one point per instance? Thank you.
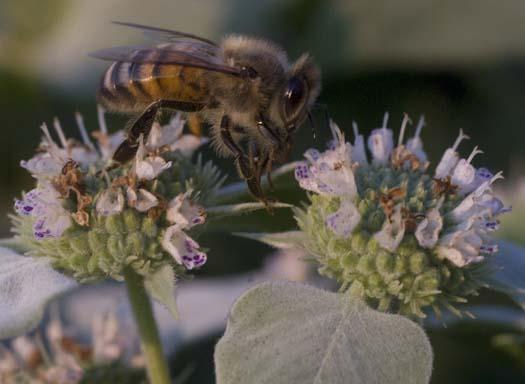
(358, 149)
(163, 135)
(44, 203)
(148, 168)
(142, 200)
(329, 173)
(185, 213)
(464, 174)
(451, 215)
(381, 143)
(43, 165)
(479, 202)
(84, 154)
(107, 144)
(48, 164)
(170, 136)
(392, 231)
(110, 202)
(461, 248)
(450, 158)
(183, 248)
(415, 144)
(427, 231)
(344, 221)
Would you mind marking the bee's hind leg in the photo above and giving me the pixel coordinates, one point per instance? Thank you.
(142, 126)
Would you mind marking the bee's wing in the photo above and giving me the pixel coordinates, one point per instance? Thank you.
(180, 53)
(162, 34)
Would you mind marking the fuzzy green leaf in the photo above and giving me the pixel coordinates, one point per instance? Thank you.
(508, 274)
(285, 333)
(242, 208)
(14, 243)
(282, 240)
(161, 286)
(26, 286)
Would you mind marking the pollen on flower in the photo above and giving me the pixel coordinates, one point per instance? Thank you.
(390, 229)
(93, 220)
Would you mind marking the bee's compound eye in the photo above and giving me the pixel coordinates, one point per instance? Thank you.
(294, 98)
(249, 72)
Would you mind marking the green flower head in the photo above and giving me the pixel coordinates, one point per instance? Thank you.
(93, 220)
(390, 230)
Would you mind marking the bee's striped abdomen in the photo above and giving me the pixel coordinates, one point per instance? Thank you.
(114, 92)
(130, 87)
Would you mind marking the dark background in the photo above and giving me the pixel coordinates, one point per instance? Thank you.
(459, 63)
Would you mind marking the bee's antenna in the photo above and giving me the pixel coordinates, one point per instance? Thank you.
(312, 124)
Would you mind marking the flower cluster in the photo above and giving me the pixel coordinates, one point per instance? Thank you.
(93, 220)
(391, 231)
(63, 360)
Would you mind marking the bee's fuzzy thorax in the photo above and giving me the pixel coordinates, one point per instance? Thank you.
(232, 44)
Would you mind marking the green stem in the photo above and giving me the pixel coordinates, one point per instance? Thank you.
(156, 366)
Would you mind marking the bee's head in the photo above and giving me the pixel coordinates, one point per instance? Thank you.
(299, 92)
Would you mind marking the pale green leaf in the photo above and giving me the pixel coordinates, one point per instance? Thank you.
(508, 271)
(26, 286)
(161, 286)
(14, 243)
(242, 208)
(287, 333)
(282, 240)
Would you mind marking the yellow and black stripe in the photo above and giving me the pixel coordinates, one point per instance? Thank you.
(131, 86)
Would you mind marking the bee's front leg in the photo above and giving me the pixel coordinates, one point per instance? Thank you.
(248, 170)
(241, 160)
(267, 131)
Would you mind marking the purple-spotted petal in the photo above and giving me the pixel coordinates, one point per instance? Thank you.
(183, 248)
(344, 220)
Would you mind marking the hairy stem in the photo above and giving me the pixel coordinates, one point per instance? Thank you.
(156, 365)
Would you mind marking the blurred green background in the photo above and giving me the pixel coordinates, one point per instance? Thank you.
(462, 64)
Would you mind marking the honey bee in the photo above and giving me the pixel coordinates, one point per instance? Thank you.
(245, 88)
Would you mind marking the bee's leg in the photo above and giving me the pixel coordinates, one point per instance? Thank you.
(268, 132)
(258, 165)
(195, 124)
(247, 169)
(142, 125)
(268, 171)
(242, 162)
